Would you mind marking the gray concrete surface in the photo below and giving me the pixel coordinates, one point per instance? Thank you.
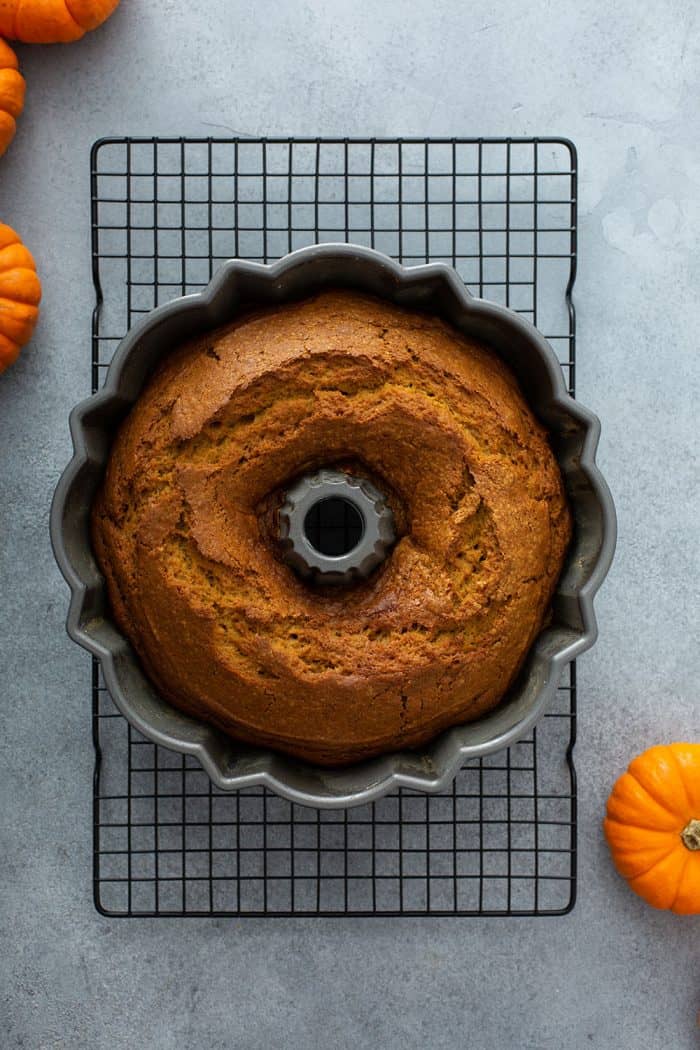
(622, 80)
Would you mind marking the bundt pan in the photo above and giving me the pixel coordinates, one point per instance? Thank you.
(434, 288)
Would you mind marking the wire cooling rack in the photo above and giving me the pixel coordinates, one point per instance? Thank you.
(502, 839)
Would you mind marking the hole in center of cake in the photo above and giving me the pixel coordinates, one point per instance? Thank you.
(334, 526)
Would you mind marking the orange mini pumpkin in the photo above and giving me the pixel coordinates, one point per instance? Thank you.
(653, 827)
(52, 21)
(20, 293)
(11, 94)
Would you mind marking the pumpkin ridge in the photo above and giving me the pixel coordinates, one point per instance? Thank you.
(75, 18)
(8, 128)
(688, 756)
(660, 885)
(9, 352)
(642, 828)
(80, 29)
(53, 23)
(16, 256)
(12, 92)
(8, 236)
(662, 849)
(660, 801)
(628, 854)
(681, 876)
(639, 810)
(8, 58)
(681, 776)
(20, 294)
(90, 14)
(646, 871)
(21, 285)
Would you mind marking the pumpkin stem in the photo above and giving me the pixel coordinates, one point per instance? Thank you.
(691, 835)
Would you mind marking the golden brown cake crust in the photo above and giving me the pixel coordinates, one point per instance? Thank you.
(183, 531)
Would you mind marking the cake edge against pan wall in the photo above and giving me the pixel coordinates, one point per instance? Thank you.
(433, 290)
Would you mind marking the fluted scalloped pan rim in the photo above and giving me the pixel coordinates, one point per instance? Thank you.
(435, 288)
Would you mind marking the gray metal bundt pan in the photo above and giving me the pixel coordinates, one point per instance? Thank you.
(434, 288)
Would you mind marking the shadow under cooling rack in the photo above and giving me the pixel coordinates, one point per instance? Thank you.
(502, 839)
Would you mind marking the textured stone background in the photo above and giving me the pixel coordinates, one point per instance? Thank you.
(621, 80)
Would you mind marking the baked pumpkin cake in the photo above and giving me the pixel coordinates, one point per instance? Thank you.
(186, 528)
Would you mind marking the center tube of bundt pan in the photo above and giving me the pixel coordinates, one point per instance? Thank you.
(335, 527)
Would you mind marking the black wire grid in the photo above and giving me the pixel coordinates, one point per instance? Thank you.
(333, 526)
(502, 839)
